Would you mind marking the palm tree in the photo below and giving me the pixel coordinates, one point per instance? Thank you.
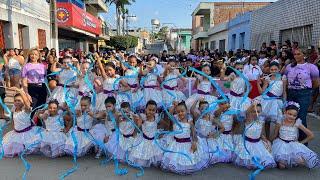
(120, 9)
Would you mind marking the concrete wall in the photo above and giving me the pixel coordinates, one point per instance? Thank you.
(267, 22)
(33, 14)
(236, 26)
(217, 37)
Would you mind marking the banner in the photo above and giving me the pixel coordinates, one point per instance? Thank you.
(70, 15)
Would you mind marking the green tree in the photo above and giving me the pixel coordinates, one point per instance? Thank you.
(123, 42)
(162, 34)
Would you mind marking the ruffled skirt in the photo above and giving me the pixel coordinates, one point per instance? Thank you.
(83, 142)
(294, 154)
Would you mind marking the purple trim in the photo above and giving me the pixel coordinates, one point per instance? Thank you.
(128, 135)
(82, 130)
(169, 88)
(272, 95)
(235, 94)
(84, 94)
(107, 91)
(150, 87)
(252, 140)
(182, 140)
(113, 130)
(146, 137)
(62, 85)
(133, 85)
(287, 141)
(202, 92)
(226, 132)
(24, 130)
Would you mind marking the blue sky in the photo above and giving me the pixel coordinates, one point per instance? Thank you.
(167, 11)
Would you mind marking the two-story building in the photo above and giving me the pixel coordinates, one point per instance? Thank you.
(210, 22)
(24, 24)
(79, 24)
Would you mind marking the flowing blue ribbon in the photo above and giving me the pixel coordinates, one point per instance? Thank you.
(132, 146)
(71, 103)
(26, 164)
(117, 170)
(5, 108)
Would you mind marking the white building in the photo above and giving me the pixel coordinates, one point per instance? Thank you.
(24, 24)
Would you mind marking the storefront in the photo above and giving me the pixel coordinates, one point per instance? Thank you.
(77, 28)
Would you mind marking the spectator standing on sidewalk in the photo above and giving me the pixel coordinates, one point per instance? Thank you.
(14, 62)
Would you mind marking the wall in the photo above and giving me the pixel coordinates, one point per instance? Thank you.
(284, 14)
(240, 24)
(33, 14)
(217, 37)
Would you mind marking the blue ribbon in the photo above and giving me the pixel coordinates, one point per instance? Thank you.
(117, 170)
(71, 103)
(132, 146)
(5, 108)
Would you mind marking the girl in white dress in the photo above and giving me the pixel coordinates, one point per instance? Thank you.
(53, 137)
(253, 71)
(170, 92)
(112, 85)
(120, 145)
(147, 152)
(23, 133)
(102, 131)
(82, 131)
(273, 91)
(185, 142)
(286, 149)
(66, 75)
(84, 89)
(225, 140)
(135, 94)
(207, 128)
(151, 86)
(204, 88)
(237, 89)
(251, 145)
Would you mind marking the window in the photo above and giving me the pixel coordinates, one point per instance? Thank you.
(222, 45)
(206, 45)
(212, 45)
(201, 21)
(233, 41)
(42, 38)
(241, 40)
(303, 35)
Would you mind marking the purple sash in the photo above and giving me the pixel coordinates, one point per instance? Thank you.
(82, 130)
(148, 138)
(24, 130)
(235, 94)
(169, 88)
(252, 140)
(203, 93)
(182, 140)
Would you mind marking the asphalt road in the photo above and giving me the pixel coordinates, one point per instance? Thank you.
(89, 168)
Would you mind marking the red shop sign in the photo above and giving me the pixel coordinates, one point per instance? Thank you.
(70, 15)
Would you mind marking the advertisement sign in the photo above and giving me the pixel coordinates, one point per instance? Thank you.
(70, 15)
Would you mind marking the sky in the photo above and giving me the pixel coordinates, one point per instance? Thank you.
(177, 12)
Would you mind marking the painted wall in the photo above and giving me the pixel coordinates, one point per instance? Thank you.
(238, 26)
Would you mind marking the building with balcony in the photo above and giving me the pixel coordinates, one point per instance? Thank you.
(210, 14)
(239, 32)
(24, 24)
(298, 21)
(79, 24)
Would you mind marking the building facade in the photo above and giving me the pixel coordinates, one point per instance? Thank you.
(239, 32)
(210, 14)
(296, 20)
(79, 25)
(24, 24)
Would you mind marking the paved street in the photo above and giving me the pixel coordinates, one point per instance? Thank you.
(49, 169)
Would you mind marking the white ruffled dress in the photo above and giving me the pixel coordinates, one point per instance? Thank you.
(120, 145)
(237, 90)
(181, 143)
(203, 128)
(204, 90)
(287, 150)
(146, 152)
(53, 139)
(83, 138)
(59, 94)
(170, 92)
(23, 137)
(251, 146)
(149, 91)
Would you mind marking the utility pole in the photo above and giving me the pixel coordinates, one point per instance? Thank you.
(54, 26)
